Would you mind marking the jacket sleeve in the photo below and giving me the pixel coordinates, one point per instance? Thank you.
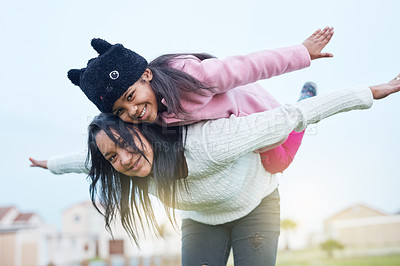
(226, 74)
(69, 163)
(278, 159)
(227, 139)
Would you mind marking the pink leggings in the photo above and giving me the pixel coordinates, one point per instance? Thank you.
(279, 158)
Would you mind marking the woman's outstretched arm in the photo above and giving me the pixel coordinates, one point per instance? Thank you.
(236, 136)
(231, 138)
(66, 163)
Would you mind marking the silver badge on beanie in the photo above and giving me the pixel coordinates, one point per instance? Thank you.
(114, 74)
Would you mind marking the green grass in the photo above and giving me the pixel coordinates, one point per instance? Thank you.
(308, 258)
(347, 257)
(391, 260)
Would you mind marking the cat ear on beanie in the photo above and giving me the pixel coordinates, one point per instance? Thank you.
(101, 46)
(107, 76)
(74, 75)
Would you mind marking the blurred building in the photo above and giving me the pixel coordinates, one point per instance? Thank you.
(361, 225)
(84, 237)
(26, 240)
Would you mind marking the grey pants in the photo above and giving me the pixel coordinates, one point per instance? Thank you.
(253, 238)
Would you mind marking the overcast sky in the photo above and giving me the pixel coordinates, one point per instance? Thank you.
(349, 159)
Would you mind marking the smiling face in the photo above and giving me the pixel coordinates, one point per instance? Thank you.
(123, 158)
(138, 104)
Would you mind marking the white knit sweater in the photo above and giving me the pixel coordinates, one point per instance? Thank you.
(226, 179)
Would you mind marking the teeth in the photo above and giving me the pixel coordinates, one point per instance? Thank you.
(143, 112)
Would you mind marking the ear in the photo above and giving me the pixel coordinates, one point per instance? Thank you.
(147, 75)
(100, 45)
(74, 75)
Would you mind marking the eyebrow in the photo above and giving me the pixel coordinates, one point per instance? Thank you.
(127, 92)
(108, 153)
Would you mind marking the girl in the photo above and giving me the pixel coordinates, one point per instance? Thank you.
(227, 199)
(186, 88)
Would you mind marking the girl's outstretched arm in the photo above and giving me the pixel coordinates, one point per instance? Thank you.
(231, 72)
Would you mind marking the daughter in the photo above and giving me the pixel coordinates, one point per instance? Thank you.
(186, 88)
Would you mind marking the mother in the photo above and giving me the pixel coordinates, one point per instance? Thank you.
(208, 171)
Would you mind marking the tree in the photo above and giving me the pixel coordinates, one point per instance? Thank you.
(288, 225)
(331, 245)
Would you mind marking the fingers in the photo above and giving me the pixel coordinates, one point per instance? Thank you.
(329, 35)
(322, 36)
(315, 33)
(322, 32)
(325, 55)
(317, 41)
(395, 89)
(325, 35)
(33, 162)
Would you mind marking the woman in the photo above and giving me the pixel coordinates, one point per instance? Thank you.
(226, 197)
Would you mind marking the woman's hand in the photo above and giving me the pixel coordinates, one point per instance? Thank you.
(383, 90)
(36, 163)
(317, 41)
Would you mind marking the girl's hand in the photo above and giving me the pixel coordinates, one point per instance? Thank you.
(317, 41)
(383, 90)
(36, 163)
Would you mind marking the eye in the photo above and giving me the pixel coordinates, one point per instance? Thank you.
(119, 112)
(130, 96)
(124, 144)
(111, 158)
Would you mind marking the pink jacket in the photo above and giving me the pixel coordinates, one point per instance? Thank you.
(234, 77)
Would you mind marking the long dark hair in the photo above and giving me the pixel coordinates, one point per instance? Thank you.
(129, 196)
(168, 82)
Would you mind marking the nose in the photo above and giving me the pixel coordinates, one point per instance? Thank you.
(125, 157)
(132, 111)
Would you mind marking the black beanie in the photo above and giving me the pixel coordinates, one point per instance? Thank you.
(109, 75)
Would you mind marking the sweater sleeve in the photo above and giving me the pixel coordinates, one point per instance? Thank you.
(225, 140)
(69, 163)
(234, 71)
